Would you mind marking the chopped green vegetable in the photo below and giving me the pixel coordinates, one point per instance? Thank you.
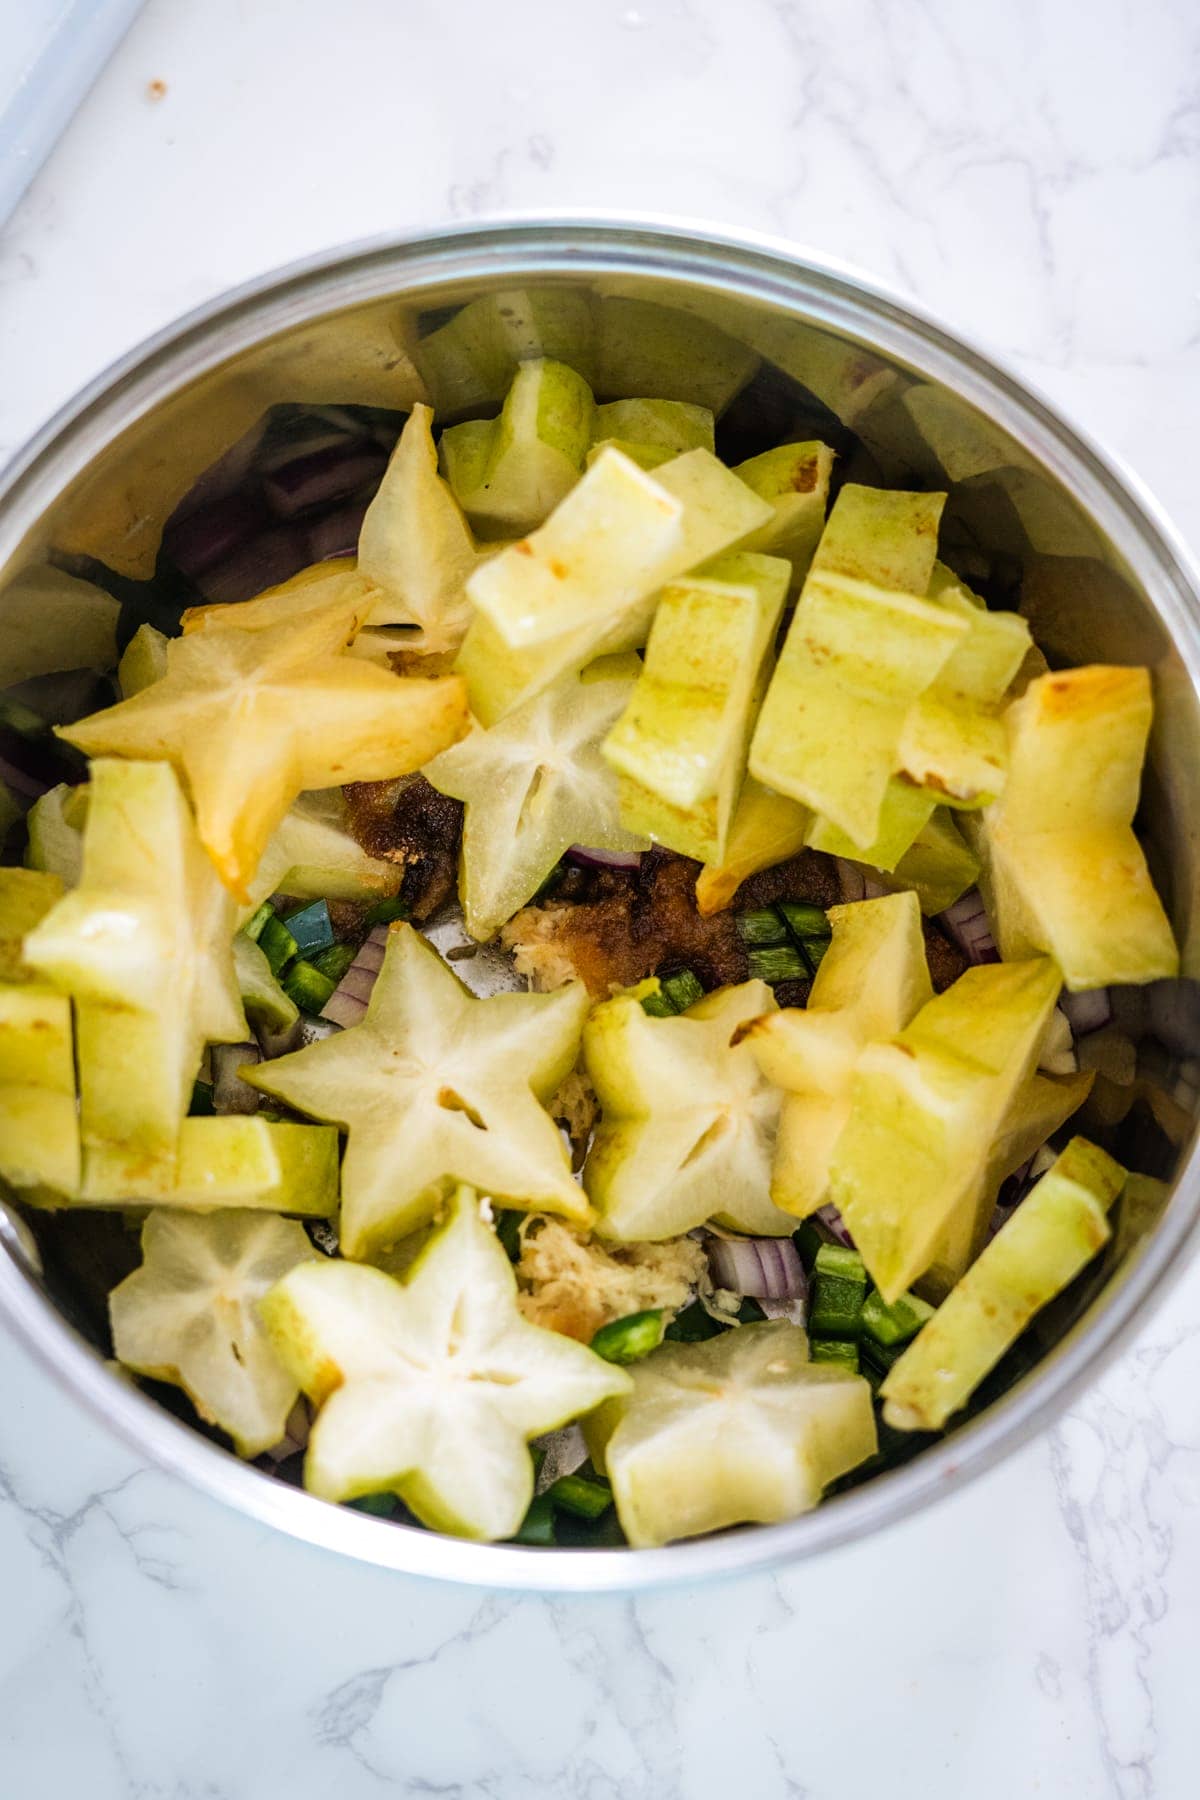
(334, 962)
(763, 926)
(657, 1005)
(308, 987)
(814, 949)
(835, 1350)
(311, 928)
(576, 1494)
(683, 990)
(380, 1506)
(508, 1230)
(839, 1290)
(889, 1325)
(629, 1339)
(276, 943)
(537, 1527)
(385, 911)
(805, 921)
(808, 1240)
(777, 963)
(694, 1325)
(254, 924)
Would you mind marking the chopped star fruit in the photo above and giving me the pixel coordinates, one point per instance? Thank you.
(680, 744)
(687, 1124)
(533, 785)
(871, 982)
(143, 946)
(51, 621)
(667, 428)
(742, 1428)
(1051, 1237)
(469, 361)
(766, 828)
(435, 1087)
(252, 717)
(925, 1110)
(55, 825)
(863, 645)
(431, 1387)
(663, 352)
(795, 479)
(190, 1316)
(1063, 871)
(509, 476)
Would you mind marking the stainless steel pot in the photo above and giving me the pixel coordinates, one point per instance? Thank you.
(1032, 502)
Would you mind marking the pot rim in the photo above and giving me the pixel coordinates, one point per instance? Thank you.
(754, 267)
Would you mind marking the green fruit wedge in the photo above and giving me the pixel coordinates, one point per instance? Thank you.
(144, 661)
(470, 361)
(52, 621)
(743, 1428)
(1053, 1235)
(766, 828)
(26, 896)
(795, 479)
(664, 353)
(508, 483)
(55, 825)
(672, 426)
(431, 1388)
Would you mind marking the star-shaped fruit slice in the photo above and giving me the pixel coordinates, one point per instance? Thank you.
(688, 1122)
(535, 784)
(144, 946)
(189, 1315)
(431, 1387)
(252, 717)
(435, 1087)
(743, 1428)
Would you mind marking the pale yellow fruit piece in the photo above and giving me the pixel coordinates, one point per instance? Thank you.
(1064, 872)
(766, 828)
(871, 981)
(313, 854)
(664, 353)
(671, 426)
(906, 812)
(688, 1122)
(939, 865)
(926, 1108)
(26, 896)
(55, 826)
(534, 784)
(431, 1387)
(39, 1139)
(534, 453)
(35, 1037)
(144, 661)
(470, 361)
(51, 621)
(189, 1315)
(795, 479)
(1050, 1238)
(436, 1087)
(743, 1428)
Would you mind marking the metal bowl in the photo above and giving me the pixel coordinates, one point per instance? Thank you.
(1034, 509)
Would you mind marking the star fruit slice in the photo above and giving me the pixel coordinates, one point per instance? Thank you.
(680, 744)
(469, 362)
(189, 1315)
(743, 1428)
(766, 828)
(50, 621)
(926, 1109)
(431, 1387)
(687, 1124)
(509, 477)
(436, 1087)
(871, 982)
(252, 717)
(795, 479)
(144, 947)
(1063, 871)
(533, 785)
(1051, 1237)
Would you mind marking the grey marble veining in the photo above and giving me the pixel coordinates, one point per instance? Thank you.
(1032, 174)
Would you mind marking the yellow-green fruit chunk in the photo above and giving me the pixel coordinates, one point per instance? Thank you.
(1053, 1235)
(669, 426)
(795, 479)
(766, 828)
(436, 1087)
(927, 1107)
(741, 1429)
(470, 361)
(904, 814)
(26, 896)
(144, 661)
(143, 945)
(939, 865)
(189, 1315)
(55, 826)
(432, 1387)
(687, 1124)
(1064, 872)
(50, 621)
(871, 981)
(863, 644)
(35, 1038)
(534, 784)
(664, 353)
(533, 455)
(680, 744)
(39, 1139)
(313, 854)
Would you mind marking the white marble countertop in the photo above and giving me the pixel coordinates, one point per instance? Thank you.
(1030, 173)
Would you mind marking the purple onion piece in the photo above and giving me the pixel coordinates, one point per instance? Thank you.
(855, 883)
(211, 534)
(347, 1005)
(1173, 1011)
(336, 534)
(1087, 1012)
(20, 782)
(330, 475)
(223, 476)
(591, 857)
(832, 1220)
(312, 437)
(762, 1268)
(275, 555)
(967, 923)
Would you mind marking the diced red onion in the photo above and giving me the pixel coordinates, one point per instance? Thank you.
(336, 534)
(591, 857)
(310, 437)
(794, 1311)
(832, 1220)
(212, 533)
(313, 1029)
(318, 480)
(967, 923)
(223, 476)
(1174, 1015)
(273, 556)
(230, 1093)
(1087, 1012)
(1131, 1006)
(855, 883)
(347, 1004)
(763, 1268)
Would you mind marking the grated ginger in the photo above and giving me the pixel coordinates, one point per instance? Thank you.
(571, 1283)
(538, 953)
